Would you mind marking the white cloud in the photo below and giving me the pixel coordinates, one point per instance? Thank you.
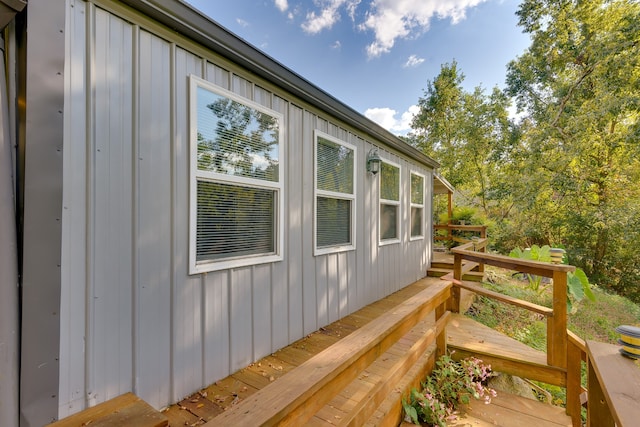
(328, 15)
(387, 118)
(413, 61)
(389, 20)
(392, 19)
(337, 45)
(242, 23)
(315, 23)
(282, 5)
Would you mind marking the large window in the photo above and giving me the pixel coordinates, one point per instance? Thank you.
(389, 203)
(335, 194)
(236, 180)
(417, 206)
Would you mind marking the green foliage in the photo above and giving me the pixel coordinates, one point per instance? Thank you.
(578, 286)
(534, 253)
(450, 384)
(567, 171)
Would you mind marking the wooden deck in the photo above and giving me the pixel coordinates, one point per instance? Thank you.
(225, 394)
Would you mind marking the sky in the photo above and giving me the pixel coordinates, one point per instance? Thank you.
(377, 56)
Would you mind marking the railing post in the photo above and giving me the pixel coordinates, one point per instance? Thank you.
(574, 386)
(454, 300)
(557, 324)
(441, 338)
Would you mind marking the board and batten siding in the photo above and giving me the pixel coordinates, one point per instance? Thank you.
(132, 318)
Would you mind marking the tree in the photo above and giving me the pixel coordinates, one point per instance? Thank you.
(469, 133)
(579, 83)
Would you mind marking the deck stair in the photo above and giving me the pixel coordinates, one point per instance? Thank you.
(442, 266)
(508, 410)
(466, 337)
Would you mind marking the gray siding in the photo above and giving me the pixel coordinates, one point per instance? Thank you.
(133, 319)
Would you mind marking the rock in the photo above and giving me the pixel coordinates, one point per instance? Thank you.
(513, 385)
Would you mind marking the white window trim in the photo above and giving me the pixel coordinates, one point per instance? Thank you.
(397, 203)
(417, 205)
(196, 175)
(323, 193)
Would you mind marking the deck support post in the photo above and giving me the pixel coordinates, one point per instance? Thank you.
(557, 324)
(574, 386)
(454, 300)
(441, 338)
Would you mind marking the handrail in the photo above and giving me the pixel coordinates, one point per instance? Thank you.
(450, 228)
(542, 310)
(564, 349)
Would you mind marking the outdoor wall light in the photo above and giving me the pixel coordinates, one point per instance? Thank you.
(373, 161)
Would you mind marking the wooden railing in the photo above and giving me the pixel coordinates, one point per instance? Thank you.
(565, 350)
(479, 231)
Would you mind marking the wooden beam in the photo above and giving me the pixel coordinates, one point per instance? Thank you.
(470, 286)
(538, 268)
(574, 386)
(557, 325)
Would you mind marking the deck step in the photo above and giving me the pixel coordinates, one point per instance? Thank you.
(124, 410)
(472, 276)
(508, 410)
(468, 337)
(448, 264)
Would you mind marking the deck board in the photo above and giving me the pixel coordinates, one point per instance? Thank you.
(507, 410)
(467, 337)
(239, 386)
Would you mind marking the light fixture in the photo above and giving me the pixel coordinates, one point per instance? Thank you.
(373, 161)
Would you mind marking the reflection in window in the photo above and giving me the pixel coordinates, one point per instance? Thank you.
(235, 139)
(236, 207)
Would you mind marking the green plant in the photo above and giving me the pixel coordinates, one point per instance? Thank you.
(464, 213)
(534, 253)
(450, 384)
(578, 285)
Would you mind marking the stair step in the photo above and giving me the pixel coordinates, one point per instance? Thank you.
(470, 338)
(509, 410)
(472, 276)
(126, 409)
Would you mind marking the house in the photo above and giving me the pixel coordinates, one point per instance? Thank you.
(185, 205)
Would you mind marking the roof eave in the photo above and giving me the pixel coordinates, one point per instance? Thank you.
(193, 24)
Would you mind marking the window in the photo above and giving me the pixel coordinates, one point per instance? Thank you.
(236, 181)
(389, 203)
(335, 195)
(417, 206)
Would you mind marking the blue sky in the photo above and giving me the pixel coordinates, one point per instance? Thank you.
(378, 55)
